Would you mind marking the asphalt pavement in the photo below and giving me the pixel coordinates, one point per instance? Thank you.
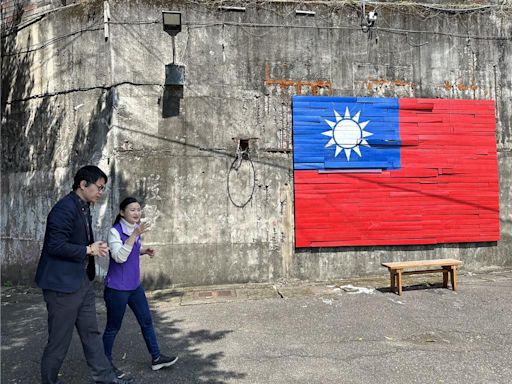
(344, 332)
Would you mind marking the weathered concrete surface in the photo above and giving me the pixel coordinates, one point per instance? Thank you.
(77, 97)
(315, 334)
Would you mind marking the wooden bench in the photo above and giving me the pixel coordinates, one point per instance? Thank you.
(446, 266)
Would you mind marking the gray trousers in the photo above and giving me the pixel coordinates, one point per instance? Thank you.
(66, 311)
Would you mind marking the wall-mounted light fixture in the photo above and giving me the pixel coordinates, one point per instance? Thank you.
(367, 19)
(371, 18)
(172, 25)
(172, 22)
(174, 73)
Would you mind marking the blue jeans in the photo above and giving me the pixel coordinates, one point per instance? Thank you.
(115, 302)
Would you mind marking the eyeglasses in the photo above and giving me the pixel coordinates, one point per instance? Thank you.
(101, 188)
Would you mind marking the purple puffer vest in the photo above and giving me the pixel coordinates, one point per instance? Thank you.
(124, 276)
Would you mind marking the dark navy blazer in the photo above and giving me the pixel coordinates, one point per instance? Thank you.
(63, 261)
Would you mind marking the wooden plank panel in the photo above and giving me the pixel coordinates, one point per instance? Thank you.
(446, 189)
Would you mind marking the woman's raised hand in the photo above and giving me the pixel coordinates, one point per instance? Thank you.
(143, 227)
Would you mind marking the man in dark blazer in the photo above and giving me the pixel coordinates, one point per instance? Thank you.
(65, 272)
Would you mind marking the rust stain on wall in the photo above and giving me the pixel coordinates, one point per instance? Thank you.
(297, 84)
(448, 86)
(382, 82)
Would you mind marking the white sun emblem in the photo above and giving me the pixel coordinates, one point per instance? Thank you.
(347, 133)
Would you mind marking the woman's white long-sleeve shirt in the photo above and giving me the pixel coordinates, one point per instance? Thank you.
(118, 250)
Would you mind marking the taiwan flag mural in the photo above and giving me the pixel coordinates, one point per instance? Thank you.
(377, 171)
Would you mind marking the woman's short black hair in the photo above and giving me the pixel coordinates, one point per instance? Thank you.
(126, 202)
(89, 173)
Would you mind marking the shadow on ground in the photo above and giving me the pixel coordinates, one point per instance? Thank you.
(24, 336)
(414, 287)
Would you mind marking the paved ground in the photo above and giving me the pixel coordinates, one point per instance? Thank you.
(296, 333)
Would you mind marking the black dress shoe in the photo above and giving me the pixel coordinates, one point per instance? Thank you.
(123, 381)
(119, 374)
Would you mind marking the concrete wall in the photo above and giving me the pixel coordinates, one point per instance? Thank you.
(77, 94)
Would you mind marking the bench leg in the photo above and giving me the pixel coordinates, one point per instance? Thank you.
(392, 279)
(445, 276)
(453, 275)
(399, 282)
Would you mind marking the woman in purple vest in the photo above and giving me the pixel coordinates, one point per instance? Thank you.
(122, 284)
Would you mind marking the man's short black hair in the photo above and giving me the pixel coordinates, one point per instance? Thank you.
(89, 173)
